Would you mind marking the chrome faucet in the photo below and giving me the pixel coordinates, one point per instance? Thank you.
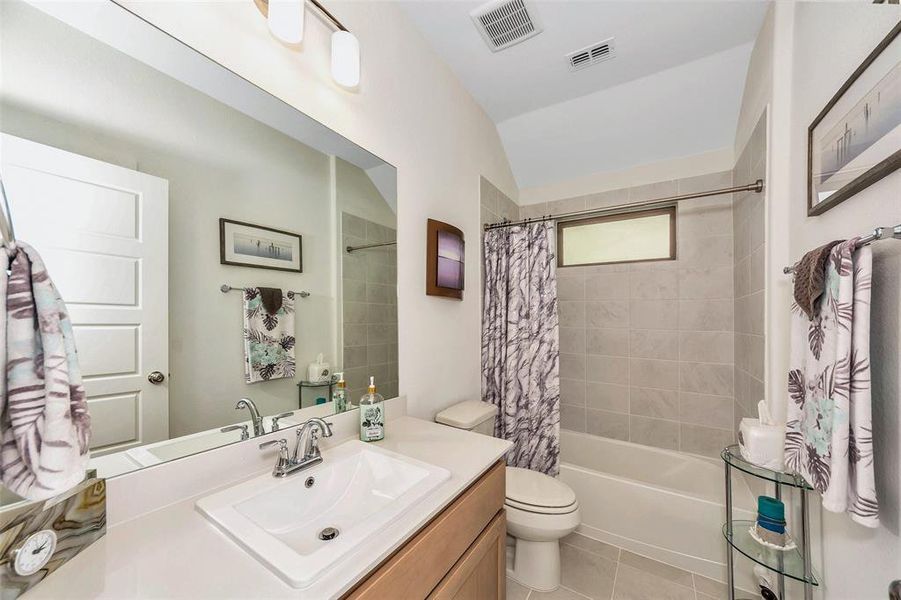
(254, 415)
(308, 437)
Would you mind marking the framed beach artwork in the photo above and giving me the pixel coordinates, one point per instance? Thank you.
(445, 262)
(248, 245)
(856, 140)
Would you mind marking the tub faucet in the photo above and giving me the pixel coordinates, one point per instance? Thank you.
(254, 415)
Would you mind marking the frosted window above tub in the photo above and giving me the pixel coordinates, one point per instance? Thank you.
(620, 238)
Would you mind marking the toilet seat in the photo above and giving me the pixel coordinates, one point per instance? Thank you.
(538, 493)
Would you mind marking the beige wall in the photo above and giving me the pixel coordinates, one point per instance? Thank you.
(829, 41)
(749, 256)
(647, 348)
(411, 111)
(219, 163)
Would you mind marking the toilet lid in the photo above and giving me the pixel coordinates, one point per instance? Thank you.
(531, 488)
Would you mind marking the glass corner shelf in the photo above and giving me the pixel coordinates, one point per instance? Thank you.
(314, 384)
(789, 562)
(733, 458)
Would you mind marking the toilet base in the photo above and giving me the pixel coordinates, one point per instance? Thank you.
(536, 565)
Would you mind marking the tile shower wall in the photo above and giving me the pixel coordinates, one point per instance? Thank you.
(369, 307)
(495, 205)
(647, 348)
(749, 249)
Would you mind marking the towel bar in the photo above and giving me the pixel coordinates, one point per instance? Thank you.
(224, 288)
(880, 233)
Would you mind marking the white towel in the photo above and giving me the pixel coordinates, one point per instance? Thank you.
(44, 424)
(829, 433)
(268, 338)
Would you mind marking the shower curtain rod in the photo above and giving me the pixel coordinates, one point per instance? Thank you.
(880, 233)
(367, 246)
(756, 187)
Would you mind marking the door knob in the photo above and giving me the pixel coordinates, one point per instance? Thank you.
(156, 377)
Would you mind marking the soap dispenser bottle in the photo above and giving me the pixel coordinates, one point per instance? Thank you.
(372, 415)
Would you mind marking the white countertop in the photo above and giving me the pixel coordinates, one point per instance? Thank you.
(174, 552)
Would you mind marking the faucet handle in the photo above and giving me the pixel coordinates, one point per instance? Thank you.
(244, 433)
(276, 418)
(281, 443)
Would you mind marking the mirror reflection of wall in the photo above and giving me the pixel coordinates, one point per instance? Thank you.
(120, 184)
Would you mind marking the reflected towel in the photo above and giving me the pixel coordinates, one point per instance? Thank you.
(268, 336)
(44, 424)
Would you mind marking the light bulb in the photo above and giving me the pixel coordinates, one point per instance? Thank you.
(345, 59)
(286, 20)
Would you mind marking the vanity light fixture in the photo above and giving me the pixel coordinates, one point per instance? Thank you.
(286, 19)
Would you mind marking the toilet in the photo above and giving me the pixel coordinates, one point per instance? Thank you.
(540, 509)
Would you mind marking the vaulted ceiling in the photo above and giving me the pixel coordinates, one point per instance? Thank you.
(673, 88)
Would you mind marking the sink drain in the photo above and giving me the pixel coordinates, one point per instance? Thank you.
(329, 533)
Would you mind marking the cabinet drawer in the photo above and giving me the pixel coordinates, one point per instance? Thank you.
(416, 568)
(481, 573)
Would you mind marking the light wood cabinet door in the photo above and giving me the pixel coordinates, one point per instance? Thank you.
(480, 574)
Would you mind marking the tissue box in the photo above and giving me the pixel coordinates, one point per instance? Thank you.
(762, 445)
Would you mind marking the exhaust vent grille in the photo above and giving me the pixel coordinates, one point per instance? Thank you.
(591, 55)
(504, 23)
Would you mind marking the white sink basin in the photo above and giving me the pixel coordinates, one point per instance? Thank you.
(359, 489)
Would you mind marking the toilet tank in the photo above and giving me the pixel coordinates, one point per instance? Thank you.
(473, 415)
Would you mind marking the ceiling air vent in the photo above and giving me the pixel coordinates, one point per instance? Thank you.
(591, 55)
(504, 23)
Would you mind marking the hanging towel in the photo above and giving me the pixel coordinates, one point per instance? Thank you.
(829, 435)
(810, 278)
(45, 428)
(268, 335)
(520, 343)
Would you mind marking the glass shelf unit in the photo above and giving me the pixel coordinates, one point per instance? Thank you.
(733, 457)
(789, 563)
(796, 563)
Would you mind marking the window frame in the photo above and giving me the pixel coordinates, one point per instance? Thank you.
(620, 216)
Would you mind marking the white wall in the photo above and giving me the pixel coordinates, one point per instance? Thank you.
(411, 111)
(803, 55)
(219, 163)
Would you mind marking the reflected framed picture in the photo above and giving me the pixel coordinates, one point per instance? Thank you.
(856, 140)
(445, 260)
(248, 245)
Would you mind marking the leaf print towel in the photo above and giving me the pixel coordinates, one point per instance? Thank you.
(829, 423)
(268, 338)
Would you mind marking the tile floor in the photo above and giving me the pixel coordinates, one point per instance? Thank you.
(593, 570)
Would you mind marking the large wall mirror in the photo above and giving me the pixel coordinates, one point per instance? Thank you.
(134, 165)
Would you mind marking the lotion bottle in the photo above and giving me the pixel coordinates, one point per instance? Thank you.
(372, 415)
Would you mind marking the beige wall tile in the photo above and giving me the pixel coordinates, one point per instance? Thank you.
(654, 285)
(756, 269)
(706, 283)
(706, 251)
(660, 404)
(659, 374)
(654, 314)
(705, 440)
(570, 288)
(607, 424)
(710, 411)
(572, 417)
(572, 340)
(705, 378)
(608, 198)
(488, 195)
(558, 207)
(707, 346)
(652, 191)
(608, 369)
(609, 342)
(654, 432)
(607, 314)
(572, 391)
(608, 396)
(702, 183)
(706, 315)
(650, 343)
(607, 286)
(572, 366)
(530, 211)
(571, 313)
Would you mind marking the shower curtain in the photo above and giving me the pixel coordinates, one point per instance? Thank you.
(520, 343)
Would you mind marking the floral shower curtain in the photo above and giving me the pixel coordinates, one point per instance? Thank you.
(829, 434)
(520, 343)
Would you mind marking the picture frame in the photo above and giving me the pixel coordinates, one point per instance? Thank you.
(247, 245)
(854, 141)
(445, 260)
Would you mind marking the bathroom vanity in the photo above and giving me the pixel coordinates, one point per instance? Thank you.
(450, 543)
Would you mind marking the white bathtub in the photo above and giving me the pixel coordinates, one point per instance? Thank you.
(658, 503)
